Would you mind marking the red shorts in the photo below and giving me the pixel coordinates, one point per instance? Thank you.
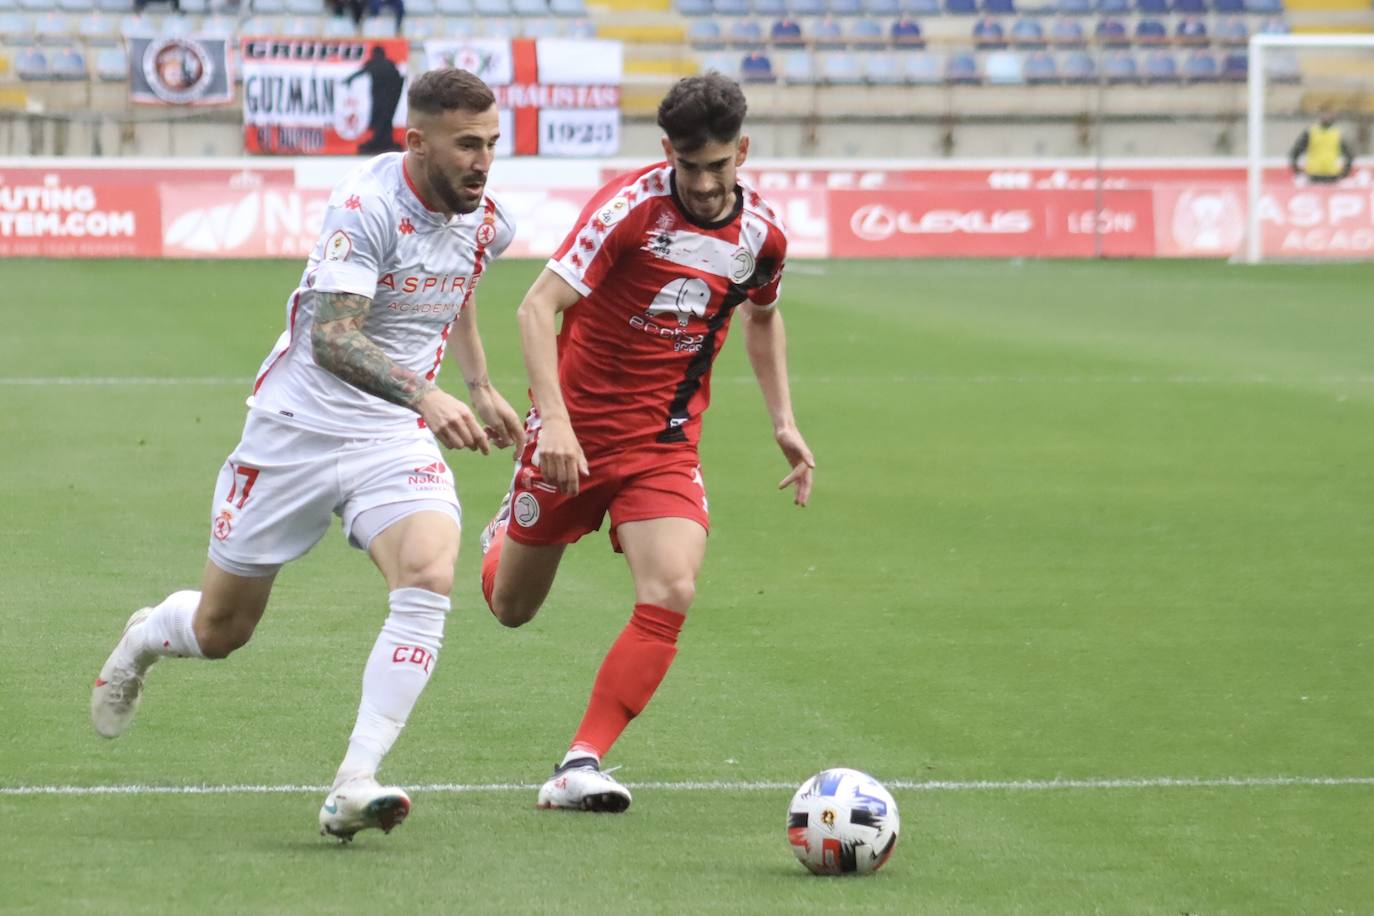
(654, 481)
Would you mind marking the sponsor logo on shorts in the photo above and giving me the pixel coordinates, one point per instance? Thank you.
(433, 476)
(525, 510)
(223, 526)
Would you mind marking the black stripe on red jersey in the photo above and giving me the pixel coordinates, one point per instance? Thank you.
(678, 415)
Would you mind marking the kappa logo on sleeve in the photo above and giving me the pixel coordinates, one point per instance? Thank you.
(338, 246)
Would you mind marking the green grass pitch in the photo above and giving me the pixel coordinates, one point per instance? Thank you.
(1076, 521)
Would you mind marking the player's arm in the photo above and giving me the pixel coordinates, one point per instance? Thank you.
(1299, 147)
(502, 424)
(560, 456)
(765, 340)
(1348, 155)
(340, 347)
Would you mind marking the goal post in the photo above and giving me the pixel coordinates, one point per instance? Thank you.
(1264, 51)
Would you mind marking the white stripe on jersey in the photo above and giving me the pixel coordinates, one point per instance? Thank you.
(700, 252)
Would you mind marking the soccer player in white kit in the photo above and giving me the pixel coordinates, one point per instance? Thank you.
(343, 421)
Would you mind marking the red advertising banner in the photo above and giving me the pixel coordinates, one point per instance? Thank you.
(54, 215)
(307, 96)
(212, 221)
(1060, 224)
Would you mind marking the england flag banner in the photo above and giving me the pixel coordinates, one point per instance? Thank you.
(557, 97)
(308, 96)
(180, 70)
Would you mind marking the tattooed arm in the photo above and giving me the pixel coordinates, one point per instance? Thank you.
(341, 347)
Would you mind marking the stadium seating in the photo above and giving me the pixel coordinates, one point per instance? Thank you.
(756, 67)
(883, 69)
(923, 69)
(1160, 67)
(31, 64)
(988, 34)
(1232, 32)
(1040, 68)
(1111, 33)
(1235, 66)
(1119, 67)
(1151, 32)
(827, 33)
(1028, 34)
(111, 65)
(961, 69)
(882, 7)
(795, 68)
(1003, 68)
(1067, 33)
(868, 35)
(1113, 7)
(1077, 67)
(998, 7)
(840, 69)
(746, 33)
(1200, 67)
(907, 33)
(961, 7)
(845, 7)
(705, 34)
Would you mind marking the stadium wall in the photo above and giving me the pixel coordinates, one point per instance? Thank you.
(241, 208)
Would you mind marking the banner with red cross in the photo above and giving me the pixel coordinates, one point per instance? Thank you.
(557, 96)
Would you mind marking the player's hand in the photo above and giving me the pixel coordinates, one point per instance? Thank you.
(500, 421)
(800, 458)
(561, 461)
(452, 422)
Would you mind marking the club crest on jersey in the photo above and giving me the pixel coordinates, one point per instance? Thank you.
(742, 265)
(224, 525)
(486, 234)
(613, 212)
(338, 246)
(682, 298)
(525, 510)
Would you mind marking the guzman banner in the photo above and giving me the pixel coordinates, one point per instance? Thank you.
(558, 97)
(324, 96)
(186, 70)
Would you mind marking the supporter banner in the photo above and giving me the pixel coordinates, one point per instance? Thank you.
(324, 96)
(981, 223)
(557, 97)
(51, 215)
(184, 70)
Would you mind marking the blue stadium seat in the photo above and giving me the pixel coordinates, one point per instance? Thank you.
(316, 7)
(730, 7)
(541, 27)
(111, 65)
(923, 69)
(268, 7)
(1189, 7)
(988, 35)
(68, 64)
(1200, 67)
(726, 62)
(531, 8)
(827, 33)
(76, 6)
(770, 8)
(806, 7)
(52, 29)
(882, 7)
(844, 7)
(746, 33)
(489, 8)
(1035, 7)
(1228, 6)
(96, 29)
(962, 69)
(796, 68)
(1152, 7)
(176, 27)
(906, 33)
(1232, 32)
(1274, 25)
(38, 6)
(1067, 33)
(705, 34)
(1264, 7)
(1235, 66)
(1077, 67)
(840, 68)
(999, 7)
(1074, 7)
(867, 34)
(31, 64)
(1160, 67)
(1151, 32)
(921, 7)
(1028, 34)
(961, 7)
(1191, 30)
(115, 6)
(757, 68)
(1113, 7)
(786, 33)
(693, 7)
(883, 69)
(1003, 68)
(16, 28)
(199, 7)
(454, 7)
(1119, 67)
(1039, 68)
(1111, 33)
(568, 9)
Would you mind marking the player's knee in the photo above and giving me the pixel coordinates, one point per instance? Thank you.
(675, 593)
(220, 635)
(432, 575)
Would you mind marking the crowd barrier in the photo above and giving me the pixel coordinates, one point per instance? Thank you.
(256, 208)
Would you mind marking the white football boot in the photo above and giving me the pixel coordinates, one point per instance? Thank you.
(501, 517)
(361, 804)
(115, 696)
(579, 785)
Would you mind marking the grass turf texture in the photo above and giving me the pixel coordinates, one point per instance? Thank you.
(1071, 519)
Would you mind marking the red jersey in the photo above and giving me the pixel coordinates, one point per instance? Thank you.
(658, 287)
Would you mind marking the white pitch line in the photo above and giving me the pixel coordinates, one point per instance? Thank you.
(915, 785)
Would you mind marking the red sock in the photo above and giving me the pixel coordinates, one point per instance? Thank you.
(489, 561)
(629, 676)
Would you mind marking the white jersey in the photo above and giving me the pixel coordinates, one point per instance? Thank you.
(418, 267)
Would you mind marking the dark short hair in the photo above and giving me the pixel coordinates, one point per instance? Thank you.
(700, 110)
(449, 89)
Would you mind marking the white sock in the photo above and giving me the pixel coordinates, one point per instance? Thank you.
(400, 665)
(168, 630)
(577, 751)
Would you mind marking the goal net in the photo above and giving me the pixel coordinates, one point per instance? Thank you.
(1311, 98)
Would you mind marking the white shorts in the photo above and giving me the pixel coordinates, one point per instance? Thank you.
(277, 491)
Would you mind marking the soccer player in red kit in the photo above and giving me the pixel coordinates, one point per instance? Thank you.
(646, 283)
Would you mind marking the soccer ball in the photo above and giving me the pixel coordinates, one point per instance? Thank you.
(842, 822)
